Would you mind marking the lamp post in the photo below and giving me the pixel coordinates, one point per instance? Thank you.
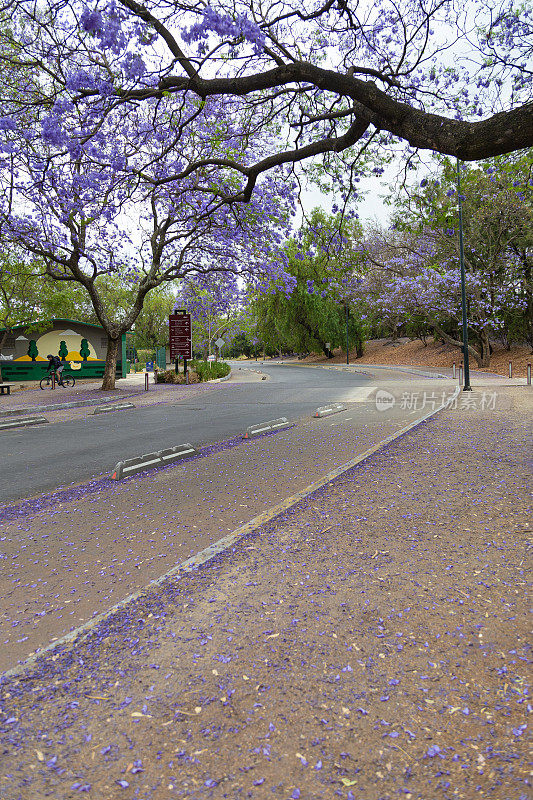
(466, 387)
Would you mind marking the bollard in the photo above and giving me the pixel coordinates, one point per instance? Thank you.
(53, 380)
(529, 374)
(145, 381)
(453, 367)
(461, 375)
(510, 369)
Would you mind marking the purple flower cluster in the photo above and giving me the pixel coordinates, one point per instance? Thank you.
(227, 27)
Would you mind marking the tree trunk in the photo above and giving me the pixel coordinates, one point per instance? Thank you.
(485, 348)
(2, 342)
(456, 342)
(110, 371)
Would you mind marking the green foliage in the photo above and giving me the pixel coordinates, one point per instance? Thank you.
(63, 349)
(241, 346)
(199, 371)
(314, 315)
(210, 370)
(151, 326)
(146, 354)
(497, 212)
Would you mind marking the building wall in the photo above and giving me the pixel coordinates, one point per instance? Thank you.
(48, 339)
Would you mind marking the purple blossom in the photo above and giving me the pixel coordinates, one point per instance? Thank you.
(91, 21)
(520, 730)
(79, 80)
(52, 132)
(7, 124)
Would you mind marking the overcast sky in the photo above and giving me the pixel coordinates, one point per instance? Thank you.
(371, 208)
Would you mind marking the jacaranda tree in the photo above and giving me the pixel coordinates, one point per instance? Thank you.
(412, 269)
(93, 210)
(324, 76)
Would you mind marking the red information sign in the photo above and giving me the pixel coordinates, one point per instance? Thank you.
(180, 335)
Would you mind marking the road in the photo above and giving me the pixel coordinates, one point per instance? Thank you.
(43, 458)
(70, 555)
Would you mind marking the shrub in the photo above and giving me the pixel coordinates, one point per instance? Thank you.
(146, 355)
(210, 370)
(170, 376)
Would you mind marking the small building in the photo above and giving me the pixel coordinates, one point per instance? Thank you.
(81, 346)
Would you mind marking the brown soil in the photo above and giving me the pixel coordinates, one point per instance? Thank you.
(413, 353)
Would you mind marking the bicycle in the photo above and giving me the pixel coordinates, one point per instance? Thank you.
(68, 381)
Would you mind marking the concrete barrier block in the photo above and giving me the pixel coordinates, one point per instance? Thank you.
(265, 427)
(114, 407)
(332, 408)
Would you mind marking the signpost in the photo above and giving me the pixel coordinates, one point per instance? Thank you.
(180, 337)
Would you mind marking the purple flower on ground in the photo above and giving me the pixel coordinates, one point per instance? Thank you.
(520, 730)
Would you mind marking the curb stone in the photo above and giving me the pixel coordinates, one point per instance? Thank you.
(23, 422)
(79, 634)
(56, 406)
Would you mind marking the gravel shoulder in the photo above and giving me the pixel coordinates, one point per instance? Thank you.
(368, 644)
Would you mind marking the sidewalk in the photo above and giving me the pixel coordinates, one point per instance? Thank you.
(368, 644)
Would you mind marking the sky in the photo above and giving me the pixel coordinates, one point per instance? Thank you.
(371, 208)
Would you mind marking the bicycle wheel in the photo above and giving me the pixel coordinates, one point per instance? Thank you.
(44, 382)
(68, 381)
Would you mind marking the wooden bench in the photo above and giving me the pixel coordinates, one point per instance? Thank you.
(5, 388)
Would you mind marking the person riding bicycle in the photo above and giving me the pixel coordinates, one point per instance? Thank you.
(55, 365)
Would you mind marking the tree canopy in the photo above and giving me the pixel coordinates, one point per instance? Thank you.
(335, 76)
(310, 313)
(413, 269)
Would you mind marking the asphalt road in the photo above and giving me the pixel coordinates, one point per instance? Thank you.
(41, 459)
(65, 560)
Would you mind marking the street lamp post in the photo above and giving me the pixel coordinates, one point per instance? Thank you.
(466, 387)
